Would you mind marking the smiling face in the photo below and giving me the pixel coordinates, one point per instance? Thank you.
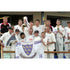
(36, 34)
(37, 23)
(48, 23)
(47, 29)
(20, 22)
(11, 31)
(22, 36)
(31, 24)
(5, 19)
(43, 34)
(17, 32)
(58, 22)
(30, 31)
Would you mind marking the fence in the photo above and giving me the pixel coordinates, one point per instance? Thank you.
(44, 52)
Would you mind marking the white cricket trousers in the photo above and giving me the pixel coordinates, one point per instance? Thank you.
(50, 55)
(67, 48)
(59, 47)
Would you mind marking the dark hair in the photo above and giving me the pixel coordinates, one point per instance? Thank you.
(17, 30)
(10, 28)
(36, 31)
(22, 34)
(37, 20)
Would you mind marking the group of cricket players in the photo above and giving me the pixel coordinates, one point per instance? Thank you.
(39, 38)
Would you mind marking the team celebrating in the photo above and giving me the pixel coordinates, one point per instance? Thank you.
(30, 40)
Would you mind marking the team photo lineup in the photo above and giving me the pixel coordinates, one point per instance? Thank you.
(34, 40)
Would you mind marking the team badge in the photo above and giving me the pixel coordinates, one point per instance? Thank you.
(27, 48)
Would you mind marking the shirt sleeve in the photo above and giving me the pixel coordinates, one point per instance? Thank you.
(9, 24)
(45, 41)
(65, 34)
(2, 37)
(63, 31)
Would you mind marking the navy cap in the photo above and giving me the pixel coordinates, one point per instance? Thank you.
(10, 28)
(36, 31)
(17, 30)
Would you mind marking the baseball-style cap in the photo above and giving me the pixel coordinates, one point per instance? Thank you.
(36, 31)
(17, 30)
(10, 28)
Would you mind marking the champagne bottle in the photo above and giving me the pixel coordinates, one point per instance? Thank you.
(58, 28)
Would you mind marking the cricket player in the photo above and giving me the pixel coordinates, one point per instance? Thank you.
(12, 41)
(17, 35)
(22, 37)
(67, 40)
(18, 46)
(36, 36)
(48, 23)
(44, 43)
(30, 35)
(4, 38)
(19, 26)
(59, 31)
(14, 38)
(26, 29)
(38, 27)
(50, 41)
(4, 25)
(37, 40)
